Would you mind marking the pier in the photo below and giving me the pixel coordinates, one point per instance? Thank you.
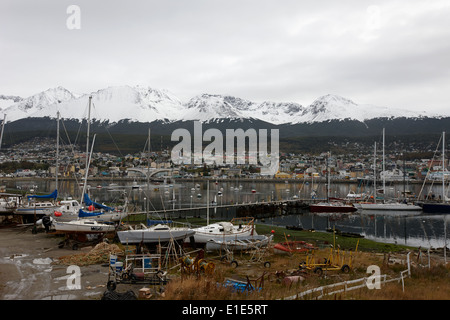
(253, 209)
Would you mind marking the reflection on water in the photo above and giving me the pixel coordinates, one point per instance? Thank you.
(415, 229)
(393, 227)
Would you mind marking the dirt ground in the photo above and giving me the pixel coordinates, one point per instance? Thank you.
(28, 270)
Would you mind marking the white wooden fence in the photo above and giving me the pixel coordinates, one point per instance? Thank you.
(349, 285)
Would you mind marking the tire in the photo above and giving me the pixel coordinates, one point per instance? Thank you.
(75, 246)
(234, 264)
(111, 285)
(267, 264)
(345, 268)
(318, 271)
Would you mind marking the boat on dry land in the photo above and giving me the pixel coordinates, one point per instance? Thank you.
(83, 226)
(238, 228)
(293, 247)
(154, 234)
(247, 243)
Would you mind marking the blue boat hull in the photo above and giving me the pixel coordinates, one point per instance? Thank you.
(438, 208)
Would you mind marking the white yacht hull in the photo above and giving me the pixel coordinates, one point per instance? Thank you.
(153, 235)
(390, 206)
(82, 226)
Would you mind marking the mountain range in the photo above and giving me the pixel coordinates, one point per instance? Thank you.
(145, 104)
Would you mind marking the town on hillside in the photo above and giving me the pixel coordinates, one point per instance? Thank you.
(37, 158)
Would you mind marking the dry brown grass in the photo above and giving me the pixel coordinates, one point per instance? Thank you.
(426, 284)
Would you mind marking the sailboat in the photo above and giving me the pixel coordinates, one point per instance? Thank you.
(158, 233)
(83, 226)
(80, 225)
(101, 211)
(444, 206)
(391, 205)
(72, 209)
(238, 228)
(41, 208)
(331, 206)
(38, 208)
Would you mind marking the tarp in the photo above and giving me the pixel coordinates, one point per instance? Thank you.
(84, 214)
(96, 205)
(52, 195)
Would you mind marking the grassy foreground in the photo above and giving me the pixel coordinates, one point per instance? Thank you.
(284, 279)
(325, 239)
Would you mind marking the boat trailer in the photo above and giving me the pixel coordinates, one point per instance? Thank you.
(336, 261)
(136, 269)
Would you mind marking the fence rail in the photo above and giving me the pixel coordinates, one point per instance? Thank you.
(351, 285)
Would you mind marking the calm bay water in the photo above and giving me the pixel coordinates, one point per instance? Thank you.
(411, 228)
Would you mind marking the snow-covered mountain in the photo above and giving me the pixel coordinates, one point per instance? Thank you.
(6, 101)
(207, 107)
(38, 103)
(111, 104)
(331, 107)
(144, 104)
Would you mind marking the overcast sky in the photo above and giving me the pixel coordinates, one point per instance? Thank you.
(387, 53)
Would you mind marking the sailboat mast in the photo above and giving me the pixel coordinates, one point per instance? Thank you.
(3, 128)
(57, 149)
(328, 173)
(88, 129)
(148, 174)
(375, 173)
(207, 203)
(443, 167)
(384, 168)
(87, 170)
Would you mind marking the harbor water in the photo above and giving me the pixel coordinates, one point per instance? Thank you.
(166, 199)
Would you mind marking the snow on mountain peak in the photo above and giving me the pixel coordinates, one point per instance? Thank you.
(209, 106)
(146, 104)
(334, 107)
(38, 102)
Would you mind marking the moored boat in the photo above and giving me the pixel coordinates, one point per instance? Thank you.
(444, 206)
(391, 206)
(332, 206)
(439, 208)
